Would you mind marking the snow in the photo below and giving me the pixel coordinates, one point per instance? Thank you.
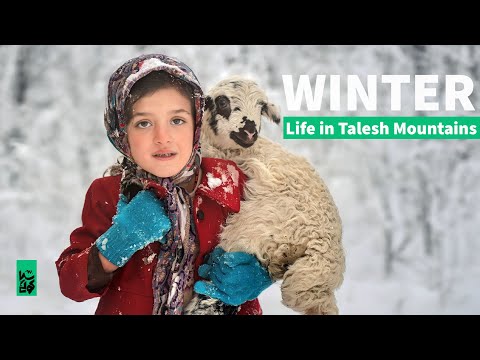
(212, 181)
(234, 174)
(103, 244)
(147, 66)
(149, 259)
(410, 208)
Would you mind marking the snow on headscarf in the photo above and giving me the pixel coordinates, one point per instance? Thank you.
(174, 270)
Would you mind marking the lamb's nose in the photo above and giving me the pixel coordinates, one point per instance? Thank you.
(250, 128)
(250, 135)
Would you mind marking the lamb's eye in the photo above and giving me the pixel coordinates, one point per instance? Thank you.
(222, 102)
(223, 106)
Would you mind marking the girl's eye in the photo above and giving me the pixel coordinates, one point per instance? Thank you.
(178, 121)
(142, 124)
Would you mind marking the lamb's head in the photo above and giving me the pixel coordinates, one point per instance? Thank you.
(233, 111)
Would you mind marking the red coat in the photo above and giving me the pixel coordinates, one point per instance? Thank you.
(130, 290)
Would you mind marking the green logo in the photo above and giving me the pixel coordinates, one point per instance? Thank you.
(26, 277)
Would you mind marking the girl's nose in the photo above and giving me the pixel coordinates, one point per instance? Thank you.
(162, 135)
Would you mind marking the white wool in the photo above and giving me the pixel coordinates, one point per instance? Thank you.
(288, 218)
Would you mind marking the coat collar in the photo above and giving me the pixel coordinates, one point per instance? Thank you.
(222, 181)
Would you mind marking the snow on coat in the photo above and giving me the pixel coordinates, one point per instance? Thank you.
(288, 219)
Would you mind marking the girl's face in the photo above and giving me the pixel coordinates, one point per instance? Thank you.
(160, 132)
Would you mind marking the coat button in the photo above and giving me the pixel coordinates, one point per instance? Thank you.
(200, 215)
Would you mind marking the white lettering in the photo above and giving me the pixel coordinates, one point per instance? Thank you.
(294, 101)
(354, 87)
(396, 82)
(421, 92)
(296, 96)
(451, 93)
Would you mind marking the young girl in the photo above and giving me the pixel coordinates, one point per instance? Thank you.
(148, 226)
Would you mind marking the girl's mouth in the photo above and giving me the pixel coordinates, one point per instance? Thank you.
(164, 156)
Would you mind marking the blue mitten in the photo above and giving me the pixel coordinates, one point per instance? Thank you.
(136, 224)
(235, 277)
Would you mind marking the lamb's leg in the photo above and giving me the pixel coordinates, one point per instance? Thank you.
(309, 283)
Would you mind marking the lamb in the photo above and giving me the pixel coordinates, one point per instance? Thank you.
(288, 218)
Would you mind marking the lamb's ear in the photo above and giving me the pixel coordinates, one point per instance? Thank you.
(209, 105)
(272, 112)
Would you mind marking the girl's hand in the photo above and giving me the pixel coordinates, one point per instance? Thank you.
(137, 224)
(235, 277)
